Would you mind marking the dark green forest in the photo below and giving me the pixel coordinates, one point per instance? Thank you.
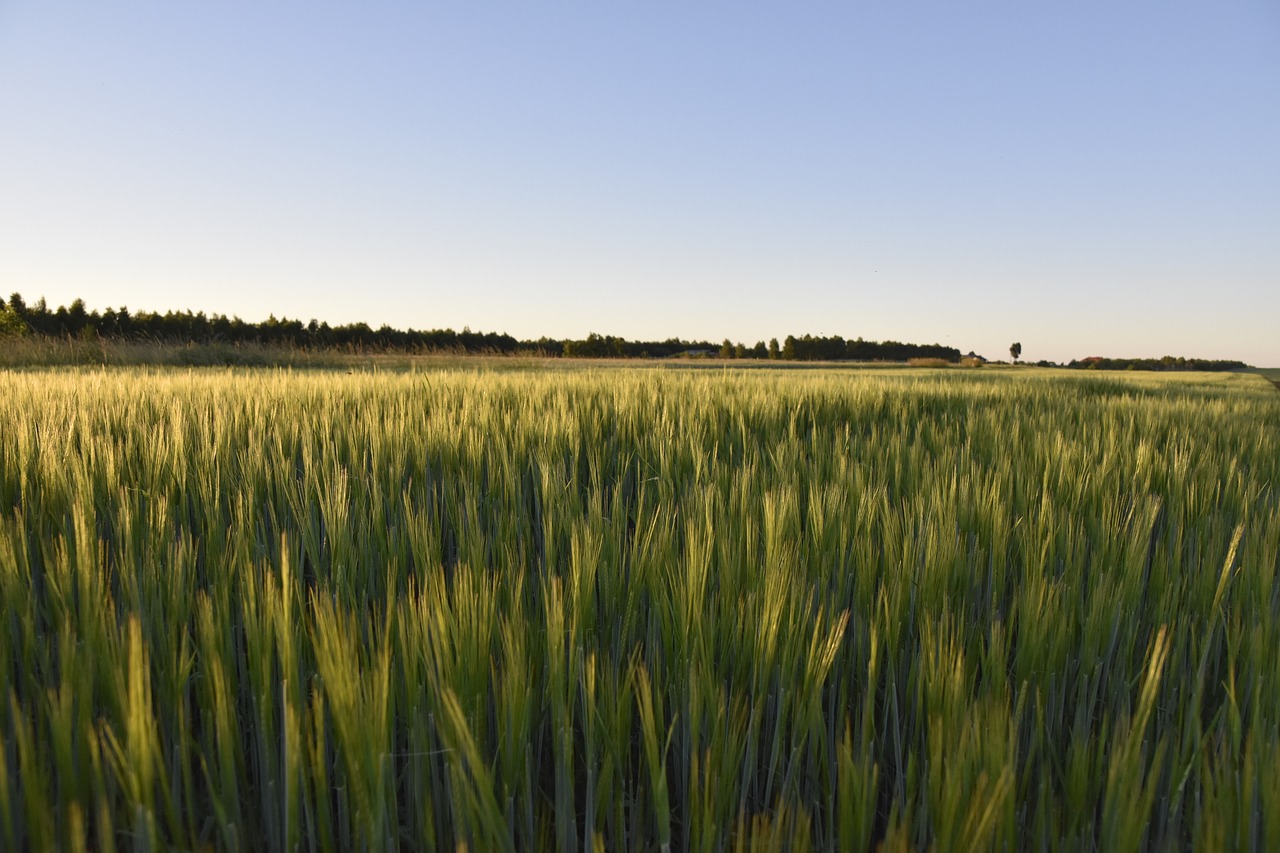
(76, 322)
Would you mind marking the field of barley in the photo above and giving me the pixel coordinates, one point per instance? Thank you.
(629, 608)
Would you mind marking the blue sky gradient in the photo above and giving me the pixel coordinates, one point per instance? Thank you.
(1087, 178)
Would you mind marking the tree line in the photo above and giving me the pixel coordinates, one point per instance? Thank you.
(1167, 362)
(836, 348)
(187, 327)
(180, 328)
(806, 348)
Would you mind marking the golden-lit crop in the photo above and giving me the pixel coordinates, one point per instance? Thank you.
(638, 608)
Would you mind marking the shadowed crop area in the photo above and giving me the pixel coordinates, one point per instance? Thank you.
(638, 609)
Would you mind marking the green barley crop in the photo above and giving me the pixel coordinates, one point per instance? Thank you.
(638, 609)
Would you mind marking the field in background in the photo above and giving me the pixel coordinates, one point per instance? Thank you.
(627, 608)
(1271, 373)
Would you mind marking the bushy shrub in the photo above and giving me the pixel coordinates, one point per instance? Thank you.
(11, 325)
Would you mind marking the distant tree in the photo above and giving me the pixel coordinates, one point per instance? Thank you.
(789, 349)
(774, 352)
(11, 323)
(726, 349)
(595, 346)
(109, 325)
(740, 351)
(760, 350)
(77, 317)
(1015, 350)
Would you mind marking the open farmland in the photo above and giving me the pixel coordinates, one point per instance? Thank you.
(631, 608)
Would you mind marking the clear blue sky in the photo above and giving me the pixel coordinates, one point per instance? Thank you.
(1086, 177)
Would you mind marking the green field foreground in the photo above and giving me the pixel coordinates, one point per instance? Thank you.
(638, 608)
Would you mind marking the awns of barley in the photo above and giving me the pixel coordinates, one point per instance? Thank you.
(638, 609)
